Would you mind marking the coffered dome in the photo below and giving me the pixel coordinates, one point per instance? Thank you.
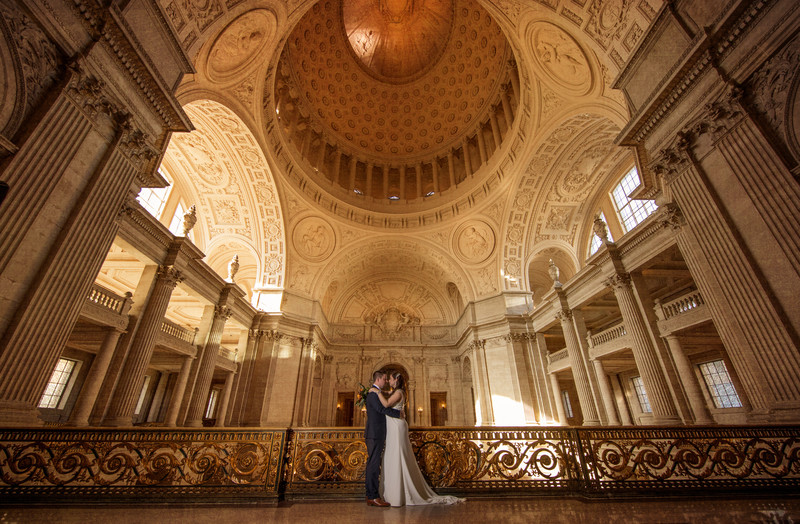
(396, 100)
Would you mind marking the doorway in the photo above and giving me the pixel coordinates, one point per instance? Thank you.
(439, 408)
(344, 409)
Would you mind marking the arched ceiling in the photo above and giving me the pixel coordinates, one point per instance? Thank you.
(364, 100)
(353, 96)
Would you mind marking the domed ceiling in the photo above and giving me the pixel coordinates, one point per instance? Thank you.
(395, 83)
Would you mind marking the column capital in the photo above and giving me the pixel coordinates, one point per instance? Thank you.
(564, 315)
(618, 281)
(170, 275)
(671, 216)
(222, 312)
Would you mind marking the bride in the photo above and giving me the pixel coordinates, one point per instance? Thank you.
(402, 482)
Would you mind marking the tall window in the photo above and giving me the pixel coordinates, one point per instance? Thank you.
(631, 212)
(641, 394)
(176, 226)
(567, 404)
(719, 384)
(58, 383)
(596, 242)
(154, 198)
(211, 409)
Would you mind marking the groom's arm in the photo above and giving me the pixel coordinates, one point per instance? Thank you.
(375, 403)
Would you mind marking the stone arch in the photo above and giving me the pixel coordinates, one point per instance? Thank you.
(538, 276)
(221, 250)
(236, 193)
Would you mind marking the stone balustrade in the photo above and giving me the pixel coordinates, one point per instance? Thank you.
(181, 333)
(561, 354)
(608, 335)
(110, 300)
(680, 305)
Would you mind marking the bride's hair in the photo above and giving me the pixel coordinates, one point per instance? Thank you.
(401, 383)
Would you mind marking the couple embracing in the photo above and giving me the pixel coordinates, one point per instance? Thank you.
(402, 483)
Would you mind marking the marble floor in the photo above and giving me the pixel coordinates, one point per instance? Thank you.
(773, 510)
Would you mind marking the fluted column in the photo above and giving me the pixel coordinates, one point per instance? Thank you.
(171, 418)
(562, 415)
(337, 166)
(353, 167)
(605, 392)
(451, 168)
(495, 127)
(418, 170)
(688, 378)
(52, 278)
(506, 105)
(403, 182)
(205, 370)
(94, 379)
(619, 399)
(368, 181)
(245, 374)
(435, 167)
(482, 145)
(128, 390)
(647, 362)
(224, 401)
(590, 416)
(467, 159)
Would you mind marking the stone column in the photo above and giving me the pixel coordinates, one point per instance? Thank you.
(171, 418)
(435, 167)
(94, 379)
(48, 284)
(482, 145)
(562, 415)
(420, 190)
(247, 343)
(619, 398)
(224, 400)
(546, 397)
(506, 105)
(605, 392)
(590, 416)
(368, 181)
(481, 383)
(402, 182)
(688, 378)
(337, 166)
(467, 158)
(644, 353)
(127, 392)
(514, 79)
(353, 167)
(495, 127)
(205, 370)
(451, 168)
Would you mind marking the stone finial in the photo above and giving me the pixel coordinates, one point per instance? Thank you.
(189, 220)
(233, 267)
(600, 229)
(552, 269)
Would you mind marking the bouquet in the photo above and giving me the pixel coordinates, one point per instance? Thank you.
(361, 395)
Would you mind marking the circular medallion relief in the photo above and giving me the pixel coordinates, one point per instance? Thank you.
(238, 43)
(560, 57)
(473, 241)
(313, 239)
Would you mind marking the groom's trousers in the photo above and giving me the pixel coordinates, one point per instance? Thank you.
(373, 473)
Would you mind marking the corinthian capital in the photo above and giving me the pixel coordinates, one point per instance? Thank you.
(170, 275)
(671, 216)
(564, 315)
(223, 312)
(618, 281)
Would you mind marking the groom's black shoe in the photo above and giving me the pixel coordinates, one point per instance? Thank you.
(378, 502)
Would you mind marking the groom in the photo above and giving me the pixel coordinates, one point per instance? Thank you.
(375, 436)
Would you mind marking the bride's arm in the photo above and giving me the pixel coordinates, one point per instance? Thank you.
(395, 397)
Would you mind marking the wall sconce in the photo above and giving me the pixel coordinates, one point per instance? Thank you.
(364, 409)
(419, 410)
(444, 405)
(338, 406)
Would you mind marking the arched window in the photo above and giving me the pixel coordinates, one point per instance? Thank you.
(631, 212)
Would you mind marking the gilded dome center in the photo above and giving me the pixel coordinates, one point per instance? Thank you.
(397, 40)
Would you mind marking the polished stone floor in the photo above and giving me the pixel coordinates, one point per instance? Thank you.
(773, 510)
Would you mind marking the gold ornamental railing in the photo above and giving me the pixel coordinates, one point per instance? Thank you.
(329, 462)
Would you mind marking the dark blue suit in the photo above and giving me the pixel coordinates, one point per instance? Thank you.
(375, 437)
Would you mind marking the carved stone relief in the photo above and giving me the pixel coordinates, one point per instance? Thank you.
(473, 241)
(240, 43)
(313, 239)
(560, 57)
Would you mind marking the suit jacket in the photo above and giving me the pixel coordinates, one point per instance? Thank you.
(376, 417)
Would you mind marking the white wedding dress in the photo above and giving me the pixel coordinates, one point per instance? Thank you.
(402, 483)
